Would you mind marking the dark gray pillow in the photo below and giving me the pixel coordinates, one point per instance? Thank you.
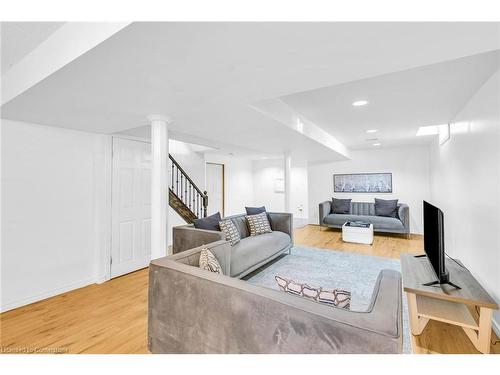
(210, 222)
(255, 210)
(341, 206)
(386, 207)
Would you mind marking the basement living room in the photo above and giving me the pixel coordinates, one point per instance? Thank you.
(166, 190)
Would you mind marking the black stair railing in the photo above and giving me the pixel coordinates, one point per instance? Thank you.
(186, 190)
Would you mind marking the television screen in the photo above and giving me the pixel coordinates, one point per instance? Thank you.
(434, 239)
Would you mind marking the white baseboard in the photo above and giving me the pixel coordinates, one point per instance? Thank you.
(51, 293)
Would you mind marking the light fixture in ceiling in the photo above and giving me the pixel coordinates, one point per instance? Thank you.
(359, 103)
(376, 144)
(371, 131)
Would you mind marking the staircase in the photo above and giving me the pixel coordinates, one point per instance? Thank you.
(184, 196)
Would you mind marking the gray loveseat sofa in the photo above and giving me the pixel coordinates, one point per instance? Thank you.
(248, 254)
(365, 211)
(196, 311)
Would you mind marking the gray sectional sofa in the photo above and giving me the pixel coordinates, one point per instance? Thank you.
(196, 311)
(248, 254)
(365, 211)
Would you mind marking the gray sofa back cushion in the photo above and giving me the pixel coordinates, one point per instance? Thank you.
(363, 208)
(241, 223)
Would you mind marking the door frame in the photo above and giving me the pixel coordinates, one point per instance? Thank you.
(223, 185)
(109, 249)
(104, 209)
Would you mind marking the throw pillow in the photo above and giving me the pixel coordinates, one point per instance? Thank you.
(336, 297)
(210, 222)
(341, 206)
(209, 262)
(230, 230)
(386, 207)
(258, 224)
(255, 210)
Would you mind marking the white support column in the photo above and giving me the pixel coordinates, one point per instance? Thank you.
(159, 185)
(287, 175)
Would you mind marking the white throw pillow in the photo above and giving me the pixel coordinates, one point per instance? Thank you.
(209, 262)
(230, 230)
(258, 224)
(336, 297)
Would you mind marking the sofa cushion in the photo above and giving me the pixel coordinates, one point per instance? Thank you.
(230, 230)
(258, 224)
(241, 223)
(341, 206)
(386, 207)
(255, 210)
(209, 262)
(379, 222)
(336, 297)
(253, 250)
(210, 222)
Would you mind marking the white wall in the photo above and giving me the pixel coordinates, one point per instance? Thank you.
(299, 197)
(49, 197)
(410, 179)
(267, 176)
(267, 172)
(465, 184)
(238, 187)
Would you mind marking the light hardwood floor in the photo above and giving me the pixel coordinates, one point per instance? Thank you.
(112, 317)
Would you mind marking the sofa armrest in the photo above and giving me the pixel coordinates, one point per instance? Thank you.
(281, 221)
(324, 210)
(246, 318)
(404, 216)
(188, 237)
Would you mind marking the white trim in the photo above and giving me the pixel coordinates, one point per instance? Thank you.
(107, 211)
(45, 295)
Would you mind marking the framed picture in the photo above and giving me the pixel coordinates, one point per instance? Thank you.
(362, 183)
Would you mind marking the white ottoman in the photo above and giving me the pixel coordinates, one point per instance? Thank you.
(357, 234)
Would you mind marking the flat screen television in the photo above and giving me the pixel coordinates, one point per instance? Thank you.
(434, 243)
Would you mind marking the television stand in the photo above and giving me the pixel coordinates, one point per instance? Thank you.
(447, 304)
(431, 283)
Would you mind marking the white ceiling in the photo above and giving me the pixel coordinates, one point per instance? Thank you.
(398, 103)
(20, 38)
(206, 75)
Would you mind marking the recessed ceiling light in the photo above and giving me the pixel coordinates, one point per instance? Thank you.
(359, 103)
(377, 144)
(372, 131)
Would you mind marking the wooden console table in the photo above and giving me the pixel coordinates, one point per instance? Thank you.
(445, 303)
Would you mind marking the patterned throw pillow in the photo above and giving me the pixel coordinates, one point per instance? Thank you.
(209, 262)
(258, 224)
(336, 297)
(230, 230)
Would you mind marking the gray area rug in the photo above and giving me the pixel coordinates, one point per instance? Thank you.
(332, 269)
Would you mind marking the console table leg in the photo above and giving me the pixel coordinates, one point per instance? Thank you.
(481, 338)
(417, 324)
(484, 334)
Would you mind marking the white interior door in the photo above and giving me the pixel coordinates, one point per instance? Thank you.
(215, 188)
(131, 206)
